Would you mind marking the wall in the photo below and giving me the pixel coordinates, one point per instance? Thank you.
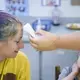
(67, 10)
(35, 8)
(2, 5)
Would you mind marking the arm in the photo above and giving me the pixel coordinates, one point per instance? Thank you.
(69, 41)
(48, 41)
(64, 73)
(71, 76)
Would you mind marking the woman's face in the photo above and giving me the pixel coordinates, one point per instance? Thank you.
(10, 48)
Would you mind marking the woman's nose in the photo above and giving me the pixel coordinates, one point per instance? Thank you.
(21, 45)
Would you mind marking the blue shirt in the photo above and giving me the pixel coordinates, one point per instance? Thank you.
(65, 72)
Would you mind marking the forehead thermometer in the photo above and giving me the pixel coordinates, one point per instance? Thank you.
(28, 29)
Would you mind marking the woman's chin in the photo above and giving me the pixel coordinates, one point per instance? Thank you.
(13, 55)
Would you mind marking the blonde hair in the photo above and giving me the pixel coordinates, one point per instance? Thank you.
(8, 25)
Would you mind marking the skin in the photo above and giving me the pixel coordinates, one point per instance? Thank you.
(44, 42)
(48, 41)
(10, 48)
(78, 63)
(75, 71)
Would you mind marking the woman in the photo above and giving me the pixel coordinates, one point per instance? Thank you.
(14, 65)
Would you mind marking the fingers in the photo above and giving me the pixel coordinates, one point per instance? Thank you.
(41, 32)
(33, 45)
(33, 40)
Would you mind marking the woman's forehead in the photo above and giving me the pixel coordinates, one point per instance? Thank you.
(19, 32)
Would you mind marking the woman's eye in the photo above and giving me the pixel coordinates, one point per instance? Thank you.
(17, 41)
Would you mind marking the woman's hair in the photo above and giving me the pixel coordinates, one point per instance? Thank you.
(8, 25)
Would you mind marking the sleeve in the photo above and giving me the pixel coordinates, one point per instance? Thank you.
(65, 72)
(24, 71)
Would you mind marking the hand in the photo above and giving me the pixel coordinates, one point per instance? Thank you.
(75, 68)
(45, 42)
(78, 62)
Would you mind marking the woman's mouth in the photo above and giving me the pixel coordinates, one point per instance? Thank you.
(16, 51)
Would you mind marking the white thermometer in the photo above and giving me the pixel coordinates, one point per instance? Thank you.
(28, 29)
